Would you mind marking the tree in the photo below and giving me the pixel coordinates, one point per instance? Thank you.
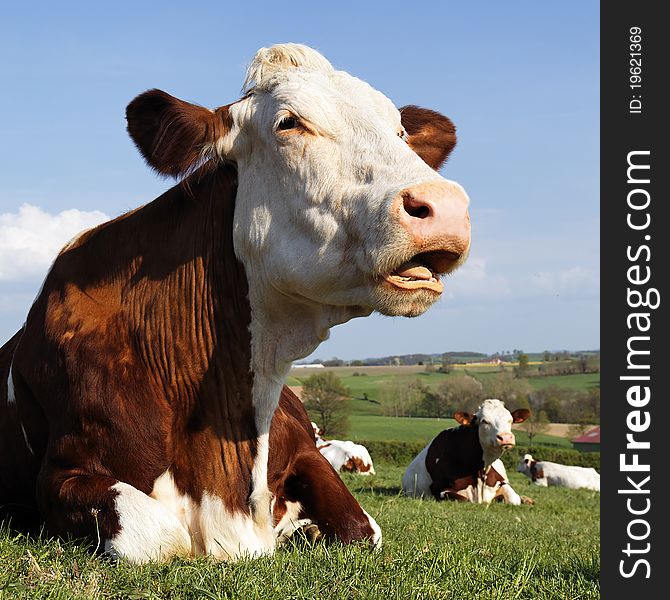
(537, 423)
(515, 393)
(447, 363)
(327, 400)
(401, 398)
(460, 392)
(523, 367)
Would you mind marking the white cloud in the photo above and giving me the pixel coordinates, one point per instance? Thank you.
(31, 238)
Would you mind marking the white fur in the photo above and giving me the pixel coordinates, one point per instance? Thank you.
(492, 419)
(416, 480)
(11, 398)
(377, 535)
(149, 530)
(569, 476)
(169, 523)
(290, 522)
(338, 452)
(11, 401)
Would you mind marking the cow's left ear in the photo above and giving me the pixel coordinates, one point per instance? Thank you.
(431, 135)
(464, 418)
(520, 415)
(174, 136)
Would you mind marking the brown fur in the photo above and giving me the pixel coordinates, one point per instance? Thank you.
(431, 135)
(141, 364)
(171, 134)
(535, 471)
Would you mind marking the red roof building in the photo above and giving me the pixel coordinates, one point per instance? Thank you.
(588, 442)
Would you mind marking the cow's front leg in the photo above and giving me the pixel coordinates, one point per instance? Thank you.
(117, 516)
(507, 493)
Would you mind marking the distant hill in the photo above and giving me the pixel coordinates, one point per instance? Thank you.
(461, 356)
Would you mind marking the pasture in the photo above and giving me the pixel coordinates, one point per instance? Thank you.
(423, 429)
(431, 550)
(369, 380)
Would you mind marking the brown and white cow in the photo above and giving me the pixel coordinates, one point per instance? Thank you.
(545, 473)
(345, 455)
(136, 402)
(463, 463)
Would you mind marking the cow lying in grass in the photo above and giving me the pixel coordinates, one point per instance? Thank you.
(344, 455)
(137, 399)
(462, 463)
(546, 473)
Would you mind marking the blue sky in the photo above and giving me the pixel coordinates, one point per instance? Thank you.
(519, 79)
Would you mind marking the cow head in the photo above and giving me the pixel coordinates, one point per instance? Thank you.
(525, 464)
(494, 423)
(338, 199)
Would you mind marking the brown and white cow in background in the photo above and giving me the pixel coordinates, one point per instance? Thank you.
(462, 463)
(136, 402)
(545, 473)
(344, 455)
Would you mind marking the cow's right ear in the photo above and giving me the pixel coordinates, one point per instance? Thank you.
(174, 136)
(464, 418)
(431, 135)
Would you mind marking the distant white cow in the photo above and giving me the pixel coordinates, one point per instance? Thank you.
(344, 455)
(545, 473)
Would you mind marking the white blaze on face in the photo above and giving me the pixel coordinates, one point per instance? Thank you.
(320, 160)
(495, 425)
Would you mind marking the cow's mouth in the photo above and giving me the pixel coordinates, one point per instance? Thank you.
(422, 271)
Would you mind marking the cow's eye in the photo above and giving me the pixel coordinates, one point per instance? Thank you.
(402, 134)
(484, 422)
(287, 123)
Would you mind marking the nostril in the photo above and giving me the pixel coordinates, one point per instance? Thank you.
(500, 437)
(415, 208)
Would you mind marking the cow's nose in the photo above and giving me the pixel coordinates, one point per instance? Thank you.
(435, 215)
(506, 440)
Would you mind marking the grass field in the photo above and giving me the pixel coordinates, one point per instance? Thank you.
(431, 551)
(377, 428)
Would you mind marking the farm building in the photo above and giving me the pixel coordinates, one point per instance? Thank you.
(588, 442)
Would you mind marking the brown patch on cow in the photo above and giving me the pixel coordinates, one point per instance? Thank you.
(493, 478)
(297, 472)
(172, 135)
(135, 360)
(431, 135)
(354, 464)
(453, 455)
(535, 471)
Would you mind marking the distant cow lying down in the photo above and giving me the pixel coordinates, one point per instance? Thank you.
(462, 463)
(545, 473)
(347, 456)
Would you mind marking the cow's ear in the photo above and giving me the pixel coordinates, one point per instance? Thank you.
(464, 418)
(431, 135)
(520, 415)
(174, 136)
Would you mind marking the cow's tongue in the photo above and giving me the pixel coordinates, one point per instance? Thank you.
(414, 270)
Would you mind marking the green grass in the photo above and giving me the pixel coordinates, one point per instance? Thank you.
(431, 551)
(423, 429)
